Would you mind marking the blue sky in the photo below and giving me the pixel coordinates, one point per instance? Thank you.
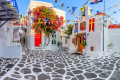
(23, 4)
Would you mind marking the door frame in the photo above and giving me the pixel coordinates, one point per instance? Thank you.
(79, 34)
(39, 38)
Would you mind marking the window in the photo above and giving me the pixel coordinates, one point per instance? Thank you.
(53, 39)
(61, 38)
(83, 26)
(66, 41)
(80, 40)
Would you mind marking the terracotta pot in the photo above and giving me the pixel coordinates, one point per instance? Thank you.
(91, 48)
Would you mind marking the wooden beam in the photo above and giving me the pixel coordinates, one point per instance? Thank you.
(3, 23)
(5, 10)
(3, 3)
(6, 15)
(4, 19)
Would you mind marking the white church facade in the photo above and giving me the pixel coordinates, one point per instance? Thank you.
(89, 30)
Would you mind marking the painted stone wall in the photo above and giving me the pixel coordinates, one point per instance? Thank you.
(30, 33)
(114, 37)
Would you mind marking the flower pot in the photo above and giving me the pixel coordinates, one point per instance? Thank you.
(91, 48)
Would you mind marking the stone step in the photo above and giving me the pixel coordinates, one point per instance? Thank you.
(36, 48)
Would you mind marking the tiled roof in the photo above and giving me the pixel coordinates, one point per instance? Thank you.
(100, 14)
(113, 26)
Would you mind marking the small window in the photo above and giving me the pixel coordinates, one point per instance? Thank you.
(53, 39)
(80, 40)
(66, 41)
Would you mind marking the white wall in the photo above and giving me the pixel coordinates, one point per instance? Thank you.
(106, 39)
(31, 42)
(16, 34)
(30, 32)
(16, 44)
(11, 52)
(7, 33)
(64, 44)
(0, 46)
(72, 47)
(114, 37)
(94, 39)
(6, 37)
(50, 46)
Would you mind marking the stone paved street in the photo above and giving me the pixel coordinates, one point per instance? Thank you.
(61, 65)
(6, 64)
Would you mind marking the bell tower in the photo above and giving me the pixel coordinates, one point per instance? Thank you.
(85, 10)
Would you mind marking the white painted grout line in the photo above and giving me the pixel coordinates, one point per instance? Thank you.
(112, 71)
(11, 70)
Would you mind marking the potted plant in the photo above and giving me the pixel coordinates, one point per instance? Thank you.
(110, 47)
(84, 43)
(58, 44)
(92, 48)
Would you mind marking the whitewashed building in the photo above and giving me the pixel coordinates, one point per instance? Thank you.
(6, 30)
(31, 36)
(90, 29)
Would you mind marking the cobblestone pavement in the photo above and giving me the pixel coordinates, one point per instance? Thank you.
(6, 64)
(61, 65)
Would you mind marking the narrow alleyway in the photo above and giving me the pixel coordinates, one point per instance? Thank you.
(60, 65)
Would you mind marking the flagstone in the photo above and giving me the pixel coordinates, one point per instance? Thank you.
(60, 65)
(73, 79)
(56, 79)
(16, 76)
(70, 74)
(104, 75)
(8, 78)
(30, 77)
(50, 64)
(90, 75)
(16, 73)
(2, 73)
(9, 65)
(56, 75)
(77, 71)
(67, 77)
(36, 70)
(98, 79)
(17, 69)
(43, 77)
(80, 77)
(37, 65)
(98, 71)
(60, 71)
(25, 71)
(20, 65)
(47, 69)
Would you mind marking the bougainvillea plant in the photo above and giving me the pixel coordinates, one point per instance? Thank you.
(46, 20)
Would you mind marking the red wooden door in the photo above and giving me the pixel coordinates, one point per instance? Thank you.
(38, 39)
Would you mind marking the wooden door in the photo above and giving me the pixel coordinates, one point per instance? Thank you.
(80, 41)
(38, 39)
